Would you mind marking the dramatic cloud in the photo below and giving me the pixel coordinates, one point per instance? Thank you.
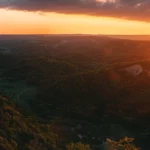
(129, 9)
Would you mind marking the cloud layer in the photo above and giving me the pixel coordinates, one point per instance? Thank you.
(129, 9)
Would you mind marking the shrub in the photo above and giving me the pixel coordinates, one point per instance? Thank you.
(77, 146)
(123, 144)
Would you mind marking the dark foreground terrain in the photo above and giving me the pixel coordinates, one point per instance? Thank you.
(74, 92)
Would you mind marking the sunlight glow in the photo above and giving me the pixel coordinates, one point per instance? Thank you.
(22, 22)
(106, 1)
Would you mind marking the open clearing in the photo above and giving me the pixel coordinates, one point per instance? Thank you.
(19, 91)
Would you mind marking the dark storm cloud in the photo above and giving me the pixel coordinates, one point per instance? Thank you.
(129, 9)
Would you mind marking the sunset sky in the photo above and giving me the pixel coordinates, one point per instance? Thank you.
(74, 17)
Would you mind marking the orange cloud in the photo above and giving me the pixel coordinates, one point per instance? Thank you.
(130, 9)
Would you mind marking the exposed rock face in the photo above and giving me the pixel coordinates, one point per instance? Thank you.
(134, 70)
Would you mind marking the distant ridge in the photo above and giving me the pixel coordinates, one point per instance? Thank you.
(126, 37)
(132, 37)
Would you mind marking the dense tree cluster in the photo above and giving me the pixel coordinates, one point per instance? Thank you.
(79, 82)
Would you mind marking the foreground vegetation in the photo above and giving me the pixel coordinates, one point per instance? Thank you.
(20, 130)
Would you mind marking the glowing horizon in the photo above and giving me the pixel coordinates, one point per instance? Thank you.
(23, 22)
